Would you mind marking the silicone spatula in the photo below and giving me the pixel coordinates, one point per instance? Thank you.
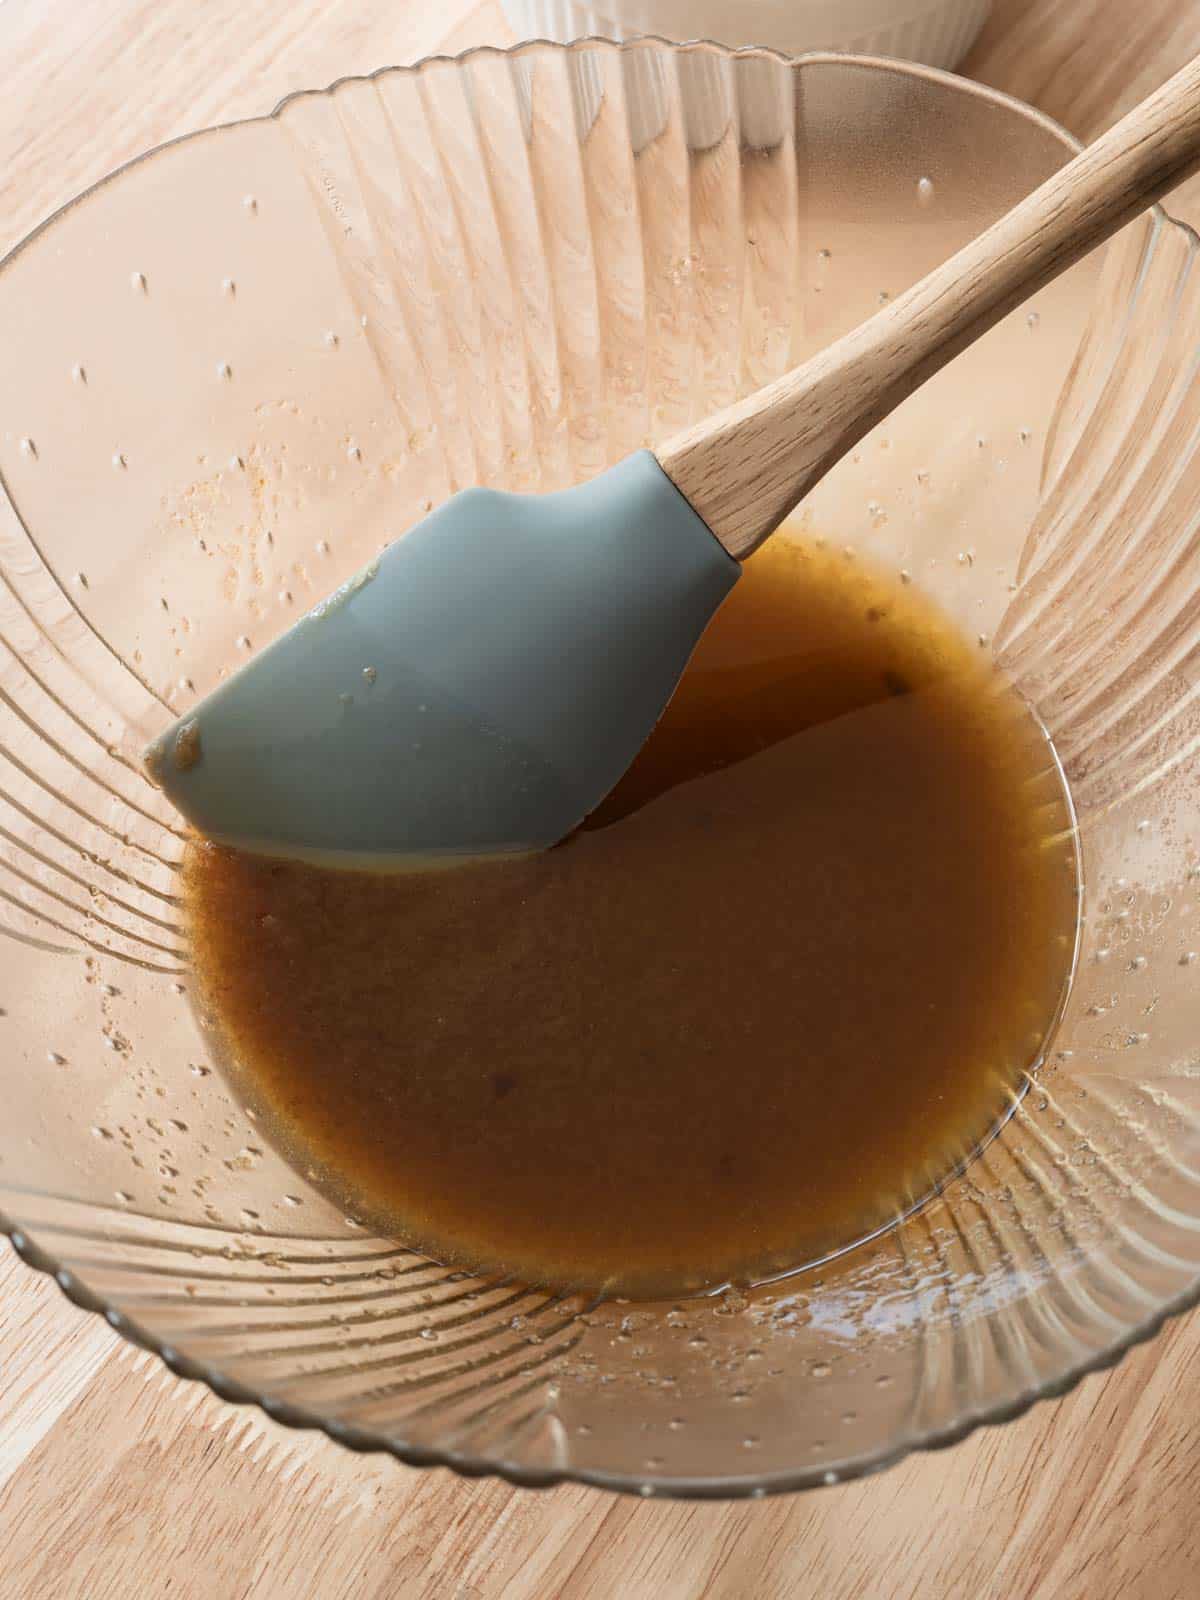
(485, 683)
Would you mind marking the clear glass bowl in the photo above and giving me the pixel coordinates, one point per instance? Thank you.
(240, 364)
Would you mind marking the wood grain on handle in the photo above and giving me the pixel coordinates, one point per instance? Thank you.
(744, 469)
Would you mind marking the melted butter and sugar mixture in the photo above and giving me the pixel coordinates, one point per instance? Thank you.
(782, 981)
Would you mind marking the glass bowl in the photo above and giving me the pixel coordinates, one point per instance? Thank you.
(240, 364)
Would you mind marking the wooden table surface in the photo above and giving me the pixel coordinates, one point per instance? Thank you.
(117, 1480)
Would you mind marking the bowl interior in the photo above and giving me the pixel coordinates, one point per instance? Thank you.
(244, 363)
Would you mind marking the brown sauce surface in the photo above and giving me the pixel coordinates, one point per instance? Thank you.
(787, 976)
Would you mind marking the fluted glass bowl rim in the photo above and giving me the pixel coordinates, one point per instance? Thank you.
(466, 1465)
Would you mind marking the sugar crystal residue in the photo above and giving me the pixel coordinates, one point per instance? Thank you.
(187, 745)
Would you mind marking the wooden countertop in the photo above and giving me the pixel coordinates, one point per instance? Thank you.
(117, 1481)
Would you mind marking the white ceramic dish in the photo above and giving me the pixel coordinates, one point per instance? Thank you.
(938, 32)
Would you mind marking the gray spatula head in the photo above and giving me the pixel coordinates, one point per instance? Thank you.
(480, 687)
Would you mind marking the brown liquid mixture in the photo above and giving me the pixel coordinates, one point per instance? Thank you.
(784, 979)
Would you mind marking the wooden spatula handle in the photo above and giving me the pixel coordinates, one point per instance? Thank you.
(745, 468)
